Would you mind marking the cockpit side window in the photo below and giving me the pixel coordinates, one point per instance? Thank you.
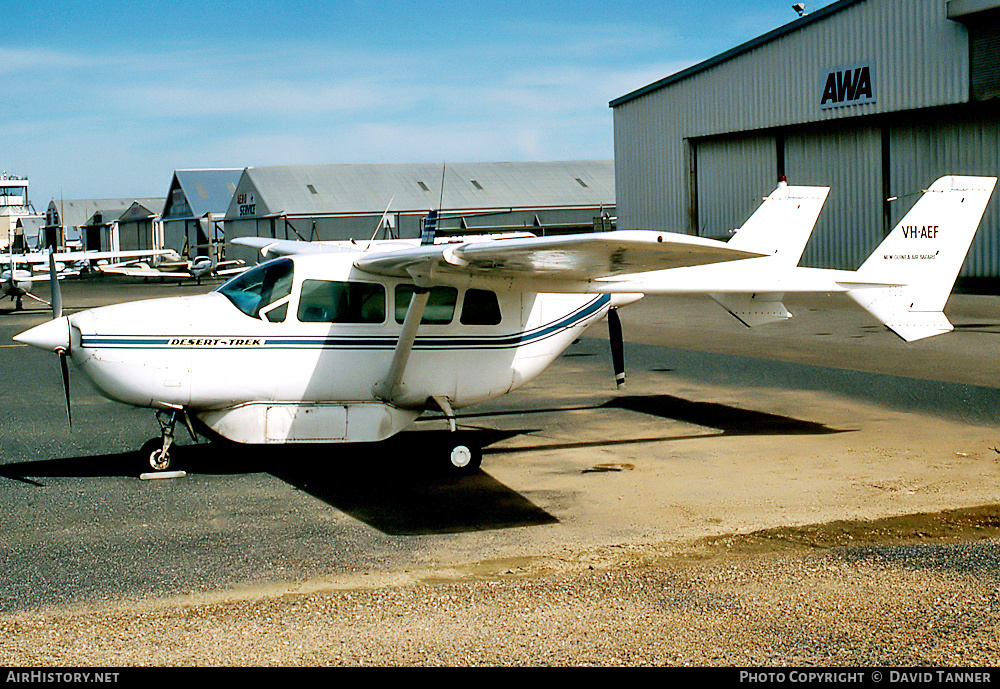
(328, 301)
(262, 291)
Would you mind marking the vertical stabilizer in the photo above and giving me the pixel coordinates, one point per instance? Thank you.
(779, 228)
(782, 224)
(919, 261)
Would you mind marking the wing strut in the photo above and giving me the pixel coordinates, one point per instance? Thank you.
(385, 389)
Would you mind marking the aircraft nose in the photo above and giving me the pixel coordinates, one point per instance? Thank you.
(52, 335)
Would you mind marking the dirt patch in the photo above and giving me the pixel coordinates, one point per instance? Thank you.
(949, 526)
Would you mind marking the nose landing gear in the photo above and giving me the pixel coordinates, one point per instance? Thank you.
(157, 450)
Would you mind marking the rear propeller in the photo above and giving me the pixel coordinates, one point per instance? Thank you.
(617, 346)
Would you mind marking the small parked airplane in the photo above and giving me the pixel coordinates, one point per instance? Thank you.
(193, 269)
(352, 341)
(18, 272)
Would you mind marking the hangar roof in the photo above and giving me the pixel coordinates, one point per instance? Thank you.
(78, 212)
(318, 189)
(958, 10)
(795, 25)
(204, 191)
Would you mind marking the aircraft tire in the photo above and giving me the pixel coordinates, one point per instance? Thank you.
(464, 458)
(152, 450)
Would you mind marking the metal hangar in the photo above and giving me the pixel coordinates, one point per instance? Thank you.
(328, 202)
(873, 98)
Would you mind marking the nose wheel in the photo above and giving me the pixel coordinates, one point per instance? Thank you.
(158, 455)
(157, 450)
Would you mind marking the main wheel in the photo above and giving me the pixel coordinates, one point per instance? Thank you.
(464, 458)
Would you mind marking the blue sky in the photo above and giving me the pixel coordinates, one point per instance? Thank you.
(108, 99)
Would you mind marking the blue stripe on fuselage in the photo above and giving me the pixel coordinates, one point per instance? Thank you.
(367, 341)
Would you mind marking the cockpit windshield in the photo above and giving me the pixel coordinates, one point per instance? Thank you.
(262, 291)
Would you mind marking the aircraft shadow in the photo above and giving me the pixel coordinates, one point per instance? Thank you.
(728, 419)
(121, 464)
(402, 486)
(398, 486)
(405, 489)
(725, 419)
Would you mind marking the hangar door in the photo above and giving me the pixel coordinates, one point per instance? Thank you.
(849, 161)
(923, 150)
(732, 177)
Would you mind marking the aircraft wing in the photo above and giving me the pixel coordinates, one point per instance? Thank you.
(579, 257)
(132, 270)
(41, 257)
(232, 269)
(288, 247)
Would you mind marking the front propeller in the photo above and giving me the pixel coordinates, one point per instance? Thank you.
(56, 294)
(64, 365)
(55, 335)
(617, 346)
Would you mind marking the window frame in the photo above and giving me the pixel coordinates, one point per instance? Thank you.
(381, 287)
(465, 300)
(399, 314)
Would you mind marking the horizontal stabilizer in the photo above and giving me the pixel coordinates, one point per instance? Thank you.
(893, 307)
(753, 309)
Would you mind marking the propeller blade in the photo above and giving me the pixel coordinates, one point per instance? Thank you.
(617, 346)
(54, 288)
(63, 364)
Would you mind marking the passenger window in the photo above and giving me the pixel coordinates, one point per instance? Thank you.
(257, 289)
(480, 308)
(440, 304)
(325, 301)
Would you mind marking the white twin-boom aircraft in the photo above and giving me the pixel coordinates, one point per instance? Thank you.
(351, 341)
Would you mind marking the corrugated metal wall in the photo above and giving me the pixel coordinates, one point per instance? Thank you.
(850, 163)
(922, 151)
(920, 59)
(651, 189)
(728, 194)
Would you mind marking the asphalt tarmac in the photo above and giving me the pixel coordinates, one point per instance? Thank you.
(719, 431)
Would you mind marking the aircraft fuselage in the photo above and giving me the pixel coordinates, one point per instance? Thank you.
(305, 365)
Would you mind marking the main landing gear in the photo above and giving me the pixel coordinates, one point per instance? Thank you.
(464, 457)
(158, 449)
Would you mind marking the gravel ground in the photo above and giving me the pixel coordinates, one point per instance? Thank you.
(907, 593)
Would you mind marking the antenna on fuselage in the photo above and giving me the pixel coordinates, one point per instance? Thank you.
(381, 221)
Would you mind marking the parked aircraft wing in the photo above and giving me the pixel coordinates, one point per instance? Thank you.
(578, 257)
(132, 270)
(271, 248)
(40, 258)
